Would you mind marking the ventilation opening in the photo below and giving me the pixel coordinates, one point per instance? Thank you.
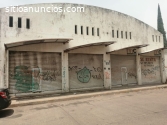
(28, 23)
(87, 30)
(75, 29)
(126, 35)
(113, 33)
(81, 30)
(130, 35)
(19, 22)
(10, 21)
(97, 31)
(92, 31)
(121, 34)
(153, 37)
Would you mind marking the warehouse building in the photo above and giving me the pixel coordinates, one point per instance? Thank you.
(55, 52)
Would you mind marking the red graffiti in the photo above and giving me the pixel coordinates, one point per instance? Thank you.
(107, 75)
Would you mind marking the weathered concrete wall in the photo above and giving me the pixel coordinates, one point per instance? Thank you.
(165, 60)
(62, 25)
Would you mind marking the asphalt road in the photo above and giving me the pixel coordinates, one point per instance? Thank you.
(135, 108)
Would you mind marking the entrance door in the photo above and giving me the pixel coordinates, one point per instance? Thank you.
(124, 75)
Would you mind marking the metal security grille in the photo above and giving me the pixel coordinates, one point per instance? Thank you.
(150, 69)
(34, 71)
(85, 71)
(123, 70)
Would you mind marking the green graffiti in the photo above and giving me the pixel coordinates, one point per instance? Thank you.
(84, 75)
(25, 82)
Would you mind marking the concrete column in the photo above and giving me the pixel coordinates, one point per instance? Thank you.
(138, 68)
(65, 76)
(107, 71)
(162, 67)
(1, 73)
(2, 67)
(6, 72)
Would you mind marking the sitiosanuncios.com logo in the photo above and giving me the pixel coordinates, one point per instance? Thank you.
(44, 9)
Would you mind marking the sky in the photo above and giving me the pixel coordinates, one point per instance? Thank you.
(144, 10)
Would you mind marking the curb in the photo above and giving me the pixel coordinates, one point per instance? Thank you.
(16, 103)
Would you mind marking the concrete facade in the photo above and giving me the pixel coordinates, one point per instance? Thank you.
(85, 61)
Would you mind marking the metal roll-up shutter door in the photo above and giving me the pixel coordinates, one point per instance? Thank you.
(85, 71)
(123, 70)
(150, 69)
(34, 72)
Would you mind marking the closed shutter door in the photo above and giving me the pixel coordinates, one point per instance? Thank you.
(85, 71)
(150, 69)
(34, 71)
(123, 70)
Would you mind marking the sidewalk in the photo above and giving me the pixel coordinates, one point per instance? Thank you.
(16, 103)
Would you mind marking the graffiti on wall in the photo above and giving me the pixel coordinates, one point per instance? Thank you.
(28, 79)
(131, 72)
(150, 68)
(107, 62)
(132, 75)
(107, 75)
(64, 76)
(84, 75)
(49, 75)
(163, 64)
(24, 81)
(147, 61)
(151, 71)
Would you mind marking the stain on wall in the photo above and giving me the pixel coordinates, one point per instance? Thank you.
(85, 71)
(150, 69)
(34, 71)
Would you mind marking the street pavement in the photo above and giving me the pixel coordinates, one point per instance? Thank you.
(147, 107)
